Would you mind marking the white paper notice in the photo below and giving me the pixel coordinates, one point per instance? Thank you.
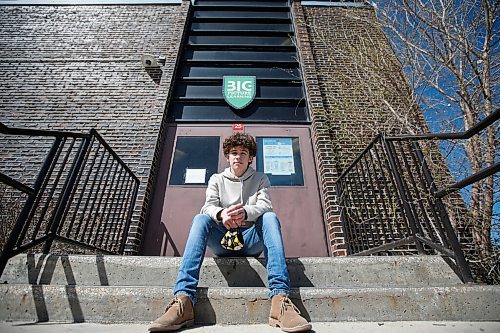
(195, 176)
(278, 156)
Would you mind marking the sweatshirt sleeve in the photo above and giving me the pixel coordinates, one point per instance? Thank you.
(263, 203)
(212, 202)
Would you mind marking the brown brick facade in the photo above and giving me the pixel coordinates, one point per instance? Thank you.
(355, 88)
(74, 68)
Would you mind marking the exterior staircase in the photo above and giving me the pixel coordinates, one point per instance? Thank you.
(117, 289)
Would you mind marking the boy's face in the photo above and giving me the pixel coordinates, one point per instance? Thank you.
(239, 158)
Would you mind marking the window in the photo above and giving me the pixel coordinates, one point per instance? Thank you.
(196, 158)
(279, 158)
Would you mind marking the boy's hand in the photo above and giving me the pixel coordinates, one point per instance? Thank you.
(233, 216)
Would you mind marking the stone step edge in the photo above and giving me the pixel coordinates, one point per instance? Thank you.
(39, 262)
(304, 272)
(250, 305)
(229, 260)
(294, 291)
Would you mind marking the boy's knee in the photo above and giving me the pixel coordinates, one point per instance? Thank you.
(270, 215)
(270, 218)
(202, 220)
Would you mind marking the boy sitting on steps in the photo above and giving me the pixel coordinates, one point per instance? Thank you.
(237, 198)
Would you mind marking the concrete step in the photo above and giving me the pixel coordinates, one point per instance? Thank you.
(249, 305)
(400, 271)
(329, 327)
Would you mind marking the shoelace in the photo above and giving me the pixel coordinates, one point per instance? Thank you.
(176, 301)
(287, 303)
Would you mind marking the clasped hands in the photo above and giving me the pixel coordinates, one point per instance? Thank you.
(233, 216)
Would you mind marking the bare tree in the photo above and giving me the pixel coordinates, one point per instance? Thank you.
(449, 51)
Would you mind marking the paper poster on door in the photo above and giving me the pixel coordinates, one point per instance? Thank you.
(278, 156)
(195, 176)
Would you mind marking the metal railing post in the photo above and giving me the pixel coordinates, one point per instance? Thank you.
(445, 219)
(402, 194)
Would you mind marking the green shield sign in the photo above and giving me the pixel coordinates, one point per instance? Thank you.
(239, 91)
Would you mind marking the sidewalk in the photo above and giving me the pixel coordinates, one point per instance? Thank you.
(336, 327)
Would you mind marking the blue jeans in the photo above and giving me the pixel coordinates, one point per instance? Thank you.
(264, 235)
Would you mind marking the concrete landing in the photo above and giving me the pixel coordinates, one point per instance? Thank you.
(342, 327)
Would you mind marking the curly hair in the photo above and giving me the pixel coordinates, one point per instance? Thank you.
(240, 139)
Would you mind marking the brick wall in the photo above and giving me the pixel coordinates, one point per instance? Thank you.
(75, 68)
(355, 88)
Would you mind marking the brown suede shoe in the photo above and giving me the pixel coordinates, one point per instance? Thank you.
(179, 313)
(286, 315)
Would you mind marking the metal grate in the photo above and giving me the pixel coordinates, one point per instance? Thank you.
(83, 195)
(390, 202)
(239, 38)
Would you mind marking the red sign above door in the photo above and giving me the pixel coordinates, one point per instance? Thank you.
(238, 127)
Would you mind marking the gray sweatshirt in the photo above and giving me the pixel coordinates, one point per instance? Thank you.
(251, 190)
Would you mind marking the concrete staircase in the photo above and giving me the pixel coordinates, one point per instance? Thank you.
(116, 289)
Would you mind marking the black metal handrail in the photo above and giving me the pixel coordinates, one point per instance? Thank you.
(4, 129)
(390, 203)
(83, 195)
(476, 129)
